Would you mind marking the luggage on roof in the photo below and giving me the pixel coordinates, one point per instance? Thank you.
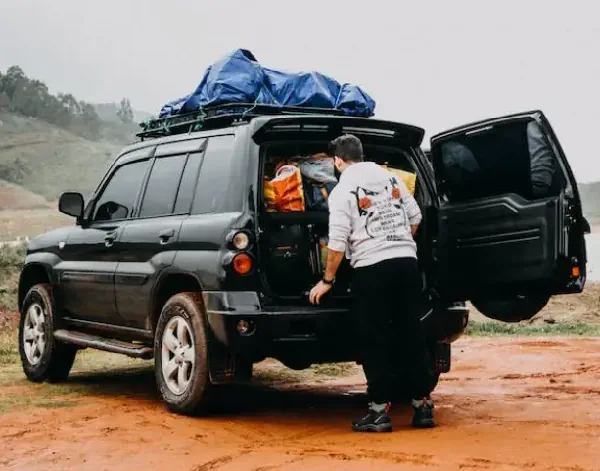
(239, 79)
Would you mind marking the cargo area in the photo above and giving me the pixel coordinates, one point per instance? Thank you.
(294, 215)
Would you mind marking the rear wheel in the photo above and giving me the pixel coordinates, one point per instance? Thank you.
(43, 358)
(181, 355)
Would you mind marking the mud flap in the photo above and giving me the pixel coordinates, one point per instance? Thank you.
(225, 367)
(442, 357)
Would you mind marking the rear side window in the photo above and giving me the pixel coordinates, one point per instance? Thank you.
(118, 197)
(188, 183)
(159, 198)
(214, 178)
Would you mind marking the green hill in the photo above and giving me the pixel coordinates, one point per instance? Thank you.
(48, 160)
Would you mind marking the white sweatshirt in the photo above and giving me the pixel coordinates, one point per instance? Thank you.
(370, 214)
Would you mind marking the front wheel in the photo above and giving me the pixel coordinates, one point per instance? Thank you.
(181, 355)
(43, 358)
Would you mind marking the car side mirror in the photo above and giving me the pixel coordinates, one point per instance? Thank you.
(71, 203)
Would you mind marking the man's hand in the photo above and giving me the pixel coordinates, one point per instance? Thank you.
(318, 291)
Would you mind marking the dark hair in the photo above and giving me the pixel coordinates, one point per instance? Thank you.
(347, 147)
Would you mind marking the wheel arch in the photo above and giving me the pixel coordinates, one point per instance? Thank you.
(169, 283)
(31, 275)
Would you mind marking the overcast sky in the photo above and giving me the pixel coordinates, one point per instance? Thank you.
(435, 64)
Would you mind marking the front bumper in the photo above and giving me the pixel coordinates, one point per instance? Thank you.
(326, 331)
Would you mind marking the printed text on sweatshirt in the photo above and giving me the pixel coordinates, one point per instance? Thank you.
(370, 214)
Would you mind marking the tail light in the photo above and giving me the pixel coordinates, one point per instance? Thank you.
(240, 240)
(242, 264)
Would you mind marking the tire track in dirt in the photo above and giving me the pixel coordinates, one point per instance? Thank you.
(578, 371)
(219, 462)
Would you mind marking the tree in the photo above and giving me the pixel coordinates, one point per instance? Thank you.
(90, 120)
(4, 101)
(24, 100)
(32, 98)
(69, 102)
(125, 112)
(13, 79)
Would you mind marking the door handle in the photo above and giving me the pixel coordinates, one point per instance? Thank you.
(165, 235)
(109, 239)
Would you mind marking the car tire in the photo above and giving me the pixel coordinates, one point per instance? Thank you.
(181, 355)
(514, 309)
(43, 358)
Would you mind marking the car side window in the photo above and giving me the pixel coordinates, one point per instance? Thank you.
(211, 190)
(118, 197)
(188, 183)
(159, 197)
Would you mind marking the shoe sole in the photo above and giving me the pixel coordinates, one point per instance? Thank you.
(383, 428)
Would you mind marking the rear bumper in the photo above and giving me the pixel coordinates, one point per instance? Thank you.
(327, 332)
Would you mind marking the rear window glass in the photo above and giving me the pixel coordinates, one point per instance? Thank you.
(188, 183)
(214, 177)
(163, 183)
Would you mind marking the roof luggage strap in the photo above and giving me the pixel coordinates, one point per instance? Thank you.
(221, 116)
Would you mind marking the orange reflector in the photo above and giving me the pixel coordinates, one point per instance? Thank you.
(575, 272)
(242, 263)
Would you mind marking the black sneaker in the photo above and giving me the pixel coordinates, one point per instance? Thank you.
(374, 422)
(423, 413)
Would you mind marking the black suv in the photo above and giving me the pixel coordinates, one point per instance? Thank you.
(175, 256)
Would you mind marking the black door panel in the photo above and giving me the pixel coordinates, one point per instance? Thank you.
(495, 244)
(509, 221)
(86, 273)
(146, 247)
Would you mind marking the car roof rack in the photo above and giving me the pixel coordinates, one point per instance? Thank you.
(222, 116)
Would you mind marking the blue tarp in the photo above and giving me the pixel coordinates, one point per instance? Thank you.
(239, 78)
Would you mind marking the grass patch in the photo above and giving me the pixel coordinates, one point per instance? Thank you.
(11, 261)
(20, 402)
(271, 372)
(9, 352)
(333, 370)
(484, 329)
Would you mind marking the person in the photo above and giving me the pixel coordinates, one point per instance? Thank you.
(372, 219)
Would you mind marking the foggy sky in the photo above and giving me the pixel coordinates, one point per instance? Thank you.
(435, 64)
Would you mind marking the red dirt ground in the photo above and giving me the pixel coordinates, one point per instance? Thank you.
(509, 404)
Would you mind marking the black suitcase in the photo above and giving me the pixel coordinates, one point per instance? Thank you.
(290, 266)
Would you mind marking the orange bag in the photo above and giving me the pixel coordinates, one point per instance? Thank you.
(288, 190)
(269, 193)
(409, 178)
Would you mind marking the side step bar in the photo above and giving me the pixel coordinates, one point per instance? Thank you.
(108, 345)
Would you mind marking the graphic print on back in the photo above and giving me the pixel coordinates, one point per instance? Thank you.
(383, 212)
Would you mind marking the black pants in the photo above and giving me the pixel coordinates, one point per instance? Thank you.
(387, 302)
